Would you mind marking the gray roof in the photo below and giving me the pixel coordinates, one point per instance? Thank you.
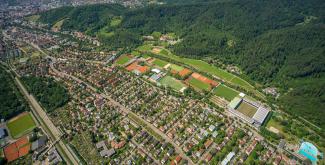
(39, 143)
(2, 132)
(107, 153)
(261, 114)
(100, 144)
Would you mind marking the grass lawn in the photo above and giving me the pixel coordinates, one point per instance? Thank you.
(225, 92)
(197, 84)
(122, 60)
(145, 56)
(176, 67)
(247, 109)
(144, 48)
(116, 22)
(33, 18)
(58, 24)
(136, 53)
(104, 33)
(160, 63)
(21, 125)
(172, 82)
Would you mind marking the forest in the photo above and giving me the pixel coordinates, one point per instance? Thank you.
(47, 91)
(11, 101)
(276, 43)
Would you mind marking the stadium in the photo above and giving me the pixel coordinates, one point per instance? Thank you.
(248, 110)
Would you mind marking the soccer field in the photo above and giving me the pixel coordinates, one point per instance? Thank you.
(122, 60)
(176, 67)
(247, 109)
(172, 82)
(160, 63)
(225, 92)
(21, 125)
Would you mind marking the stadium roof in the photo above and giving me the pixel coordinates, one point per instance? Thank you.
(235, 102)
(261, 114)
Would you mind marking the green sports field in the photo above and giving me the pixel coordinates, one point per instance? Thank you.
(176, 67)
(172, 82)
(122, 60)
(247, 109)
(213, 70)
(21, 125)
(225, 92)
(160, 63)
(197, 84)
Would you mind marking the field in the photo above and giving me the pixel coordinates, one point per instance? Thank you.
(160, 63)
(115, 22)
(33, 18)
(58, 25)
(199, 85)
(225, 92)
(104, 33)
(144, 48)
(215, 71)
(172, 82)
(122, 60)
(246, 109)
(176, 67)
(21, 125)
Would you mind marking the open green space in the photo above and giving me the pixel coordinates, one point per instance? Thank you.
(144, 48)
(199, 85)
(225, 92)
(213, 70)
(172, 82)
(136, 53)
(160, 63)
(33, 18)
(58, 24)
(104, 33)
(247, 109)
(115, 22)
(21, 125)
(122, 60)
(176, 67)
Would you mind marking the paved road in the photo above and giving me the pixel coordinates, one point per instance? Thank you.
(51, 127)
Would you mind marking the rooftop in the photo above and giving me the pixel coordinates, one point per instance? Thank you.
(261, 114)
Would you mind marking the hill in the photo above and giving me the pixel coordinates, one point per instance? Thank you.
(276, 43)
